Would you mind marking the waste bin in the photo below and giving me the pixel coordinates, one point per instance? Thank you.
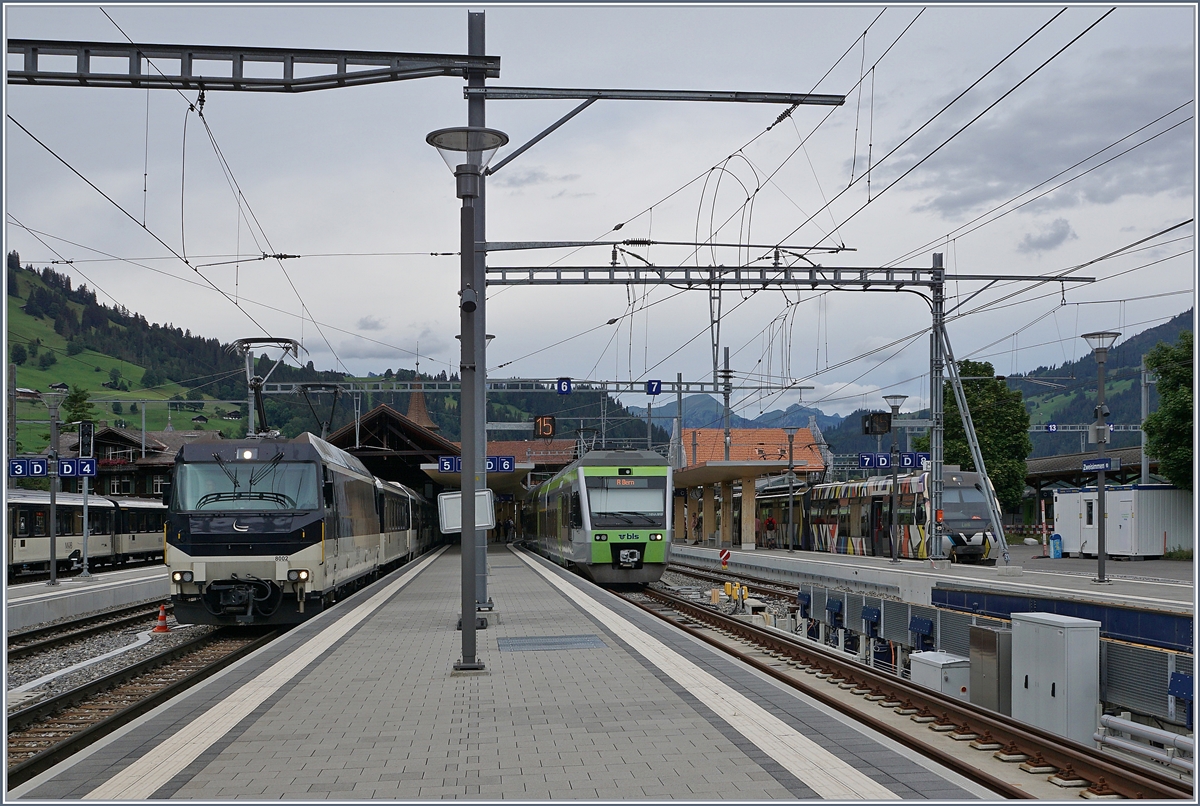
(1056, 547)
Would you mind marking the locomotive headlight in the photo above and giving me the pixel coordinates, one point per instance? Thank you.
(297, 575)
(656, 536)
(601, 538)
(181, 576)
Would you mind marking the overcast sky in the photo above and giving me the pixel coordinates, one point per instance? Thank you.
(345, 179)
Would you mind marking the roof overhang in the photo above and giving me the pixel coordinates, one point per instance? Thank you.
(719, 472)
(500, 483)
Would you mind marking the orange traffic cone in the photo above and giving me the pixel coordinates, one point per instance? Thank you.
(162, 620)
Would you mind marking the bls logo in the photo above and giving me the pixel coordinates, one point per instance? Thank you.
(627, 537)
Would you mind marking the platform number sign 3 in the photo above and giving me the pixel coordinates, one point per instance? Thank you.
(544, 426)
(563, 386)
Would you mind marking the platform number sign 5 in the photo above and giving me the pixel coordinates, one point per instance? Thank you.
(654, 387)
(563, 386)
(544, 426)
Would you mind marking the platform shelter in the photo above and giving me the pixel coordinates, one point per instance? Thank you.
(708, 479)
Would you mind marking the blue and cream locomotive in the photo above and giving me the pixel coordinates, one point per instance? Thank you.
(271, 531)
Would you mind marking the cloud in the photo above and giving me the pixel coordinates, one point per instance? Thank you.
(529, 177)
(370, 323)
(1054, 236)
(1038, 133)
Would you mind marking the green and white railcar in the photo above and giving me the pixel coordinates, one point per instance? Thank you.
(607, 515)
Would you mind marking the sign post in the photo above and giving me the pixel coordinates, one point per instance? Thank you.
(86, 439)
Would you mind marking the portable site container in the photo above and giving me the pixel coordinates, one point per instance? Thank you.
(1141, 520)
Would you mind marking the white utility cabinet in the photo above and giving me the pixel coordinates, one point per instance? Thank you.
(1140, 520)
(941, 671)
(1056, 673)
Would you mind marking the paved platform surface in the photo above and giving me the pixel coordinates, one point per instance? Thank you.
(583, 697)
(37, 602)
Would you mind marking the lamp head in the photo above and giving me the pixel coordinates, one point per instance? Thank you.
(791, 430)
(470, 145)
(895, 401)
(1101, 340)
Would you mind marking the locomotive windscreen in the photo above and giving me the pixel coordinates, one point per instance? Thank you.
(224, 485)
(964, 504)
(616, 501)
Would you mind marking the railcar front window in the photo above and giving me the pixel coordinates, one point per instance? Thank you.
(638, 506)
(205, 487)
(964, 504)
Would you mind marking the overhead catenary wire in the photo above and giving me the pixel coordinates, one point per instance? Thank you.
(127, 214)
(260, 304)
(963, 229)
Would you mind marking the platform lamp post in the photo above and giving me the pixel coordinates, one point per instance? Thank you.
(467, 150)
(791, 430)
(1100, 342)
(53, 400)
(895, 401)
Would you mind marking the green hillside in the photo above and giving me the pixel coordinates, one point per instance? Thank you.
(91, 370)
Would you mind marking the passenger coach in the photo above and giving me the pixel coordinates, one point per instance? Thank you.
(119, 530)
(853, 517)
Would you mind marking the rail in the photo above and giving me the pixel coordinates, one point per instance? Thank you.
(1063, 754)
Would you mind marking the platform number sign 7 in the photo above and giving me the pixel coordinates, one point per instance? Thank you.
(654, 387)
(563, 386)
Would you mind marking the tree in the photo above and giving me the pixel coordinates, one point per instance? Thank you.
(117, 408)
(77, 406)
(19, 356)
(1001, 426)
(1169, 429)
(114, 375)
(47, 359)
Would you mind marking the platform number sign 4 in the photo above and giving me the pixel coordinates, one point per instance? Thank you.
(563, 386)
(654, 387)
(544, 426)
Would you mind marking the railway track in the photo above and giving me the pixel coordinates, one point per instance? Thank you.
(41, 639)
(1010, 758)
(45, 734)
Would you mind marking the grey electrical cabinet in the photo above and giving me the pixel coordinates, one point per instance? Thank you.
(1056, 673)
(991, 668)
(941, 671)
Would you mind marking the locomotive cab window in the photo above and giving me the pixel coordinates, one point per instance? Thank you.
(252, 485)
(634, 502)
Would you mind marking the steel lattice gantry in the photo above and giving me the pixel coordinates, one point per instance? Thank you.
(750, 278)
(208, 68)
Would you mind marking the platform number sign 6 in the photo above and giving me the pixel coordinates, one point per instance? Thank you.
(563, 386)
(654, 387)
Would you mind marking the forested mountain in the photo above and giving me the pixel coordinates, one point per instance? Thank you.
(1070, 400)
(52, 320)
